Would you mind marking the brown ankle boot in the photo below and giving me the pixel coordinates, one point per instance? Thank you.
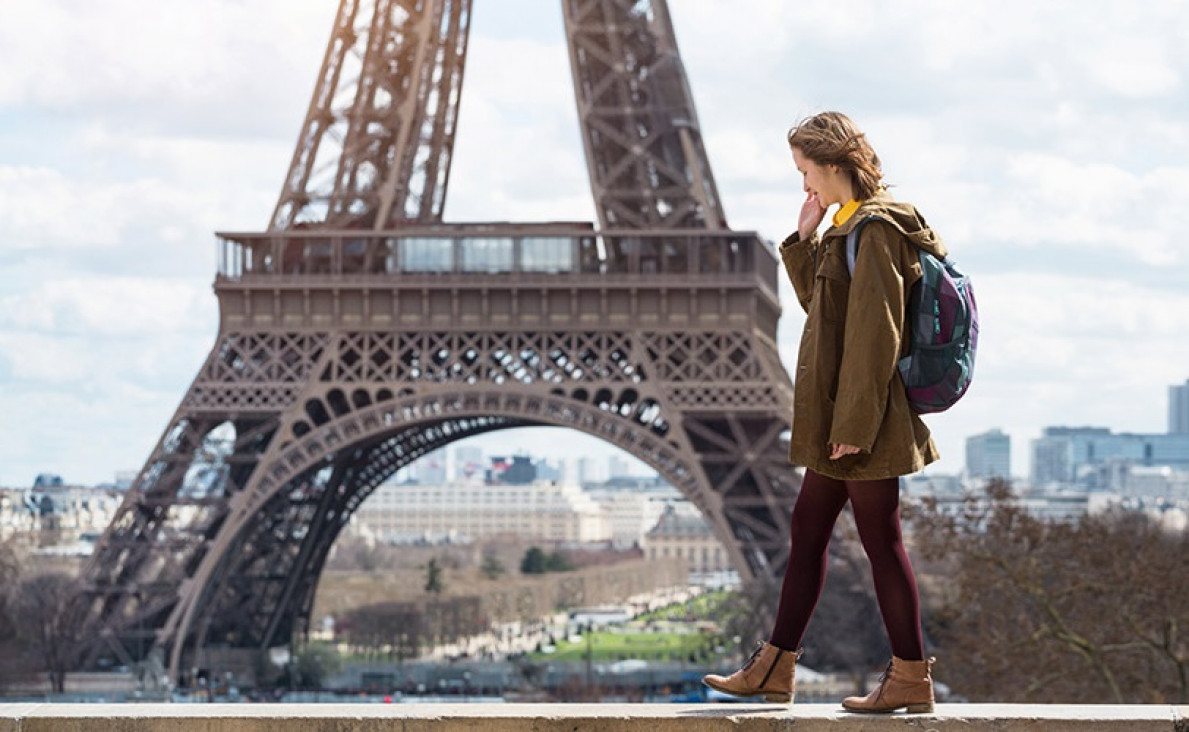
(768, 673)
(906, 684)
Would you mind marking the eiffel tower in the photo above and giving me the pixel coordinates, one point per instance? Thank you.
(360, 332)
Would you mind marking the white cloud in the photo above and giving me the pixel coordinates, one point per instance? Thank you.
(91, 368)
(1059, 202)
(518, 153)
(84, 437)
(142, 61)
(43, 207)
(110, 307)
(1131, 66)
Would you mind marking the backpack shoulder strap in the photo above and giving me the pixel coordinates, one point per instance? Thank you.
(852, 244)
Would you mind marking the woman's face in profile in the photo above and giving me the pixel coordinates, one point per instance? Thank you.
(820, 181)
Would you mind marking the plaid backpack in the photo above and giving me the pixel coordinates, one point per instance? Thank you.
(942, 319)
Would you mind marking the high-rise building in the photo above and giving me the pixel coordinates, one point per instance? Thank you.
(1051, 462)
(431, 469)
(468, 462)
(989, 455)
(591, 470)
(555, 471)
(1178, 409)
(1058, 452)
(1075, 454)
(617, 467)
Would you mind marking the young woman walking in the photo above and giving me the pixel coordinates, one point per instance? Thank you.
(852, 426)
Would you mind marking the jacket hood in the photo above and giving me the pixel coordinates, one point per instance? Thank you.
(904, 216)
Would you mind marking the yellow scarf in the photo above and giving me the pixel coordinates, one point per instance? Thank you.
(843, 214)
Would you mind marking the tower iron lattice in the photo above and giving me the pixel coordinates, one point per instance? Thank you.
(360, 332)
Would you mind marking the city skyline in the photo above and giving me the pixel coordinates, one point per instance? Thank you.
(1043, 144)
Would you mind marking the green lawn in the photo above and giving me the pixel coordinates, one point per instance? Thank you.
(606, 646)
(657, 644)
(701, 607)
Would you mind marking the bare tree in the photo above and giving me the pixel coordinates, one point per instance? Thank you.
(10, 572)
(433, 577)
(1044, 611)
(744, 615)
(400, 630)
(492, 568)
(49, 610)
(392, 629)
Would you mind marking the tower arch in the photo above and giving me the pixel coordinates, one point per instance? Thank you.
(295, 514)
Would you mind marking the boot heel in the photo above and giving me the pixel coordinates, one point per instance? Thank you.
(778, 698)
(924, 708)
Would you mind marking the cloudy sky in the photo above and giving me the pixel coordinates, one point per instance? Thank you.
(1047, 142)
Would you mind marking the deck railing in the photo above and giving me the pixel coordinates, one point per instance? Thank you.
(496, 249)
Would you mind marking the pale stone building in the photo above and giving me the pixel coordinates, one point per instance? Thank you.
(57, 514)
(630, 513)
(544, 510)
(682, 533)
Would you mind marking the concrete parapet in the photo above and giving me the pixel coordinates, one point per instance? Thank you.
(581, 718)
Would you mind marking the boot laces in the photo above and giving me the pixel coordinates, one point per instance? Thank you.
(754, 655)
(883, 679)
(886, 673)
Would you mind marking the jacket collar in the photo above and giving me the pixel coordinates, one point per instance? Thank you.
(868, 207)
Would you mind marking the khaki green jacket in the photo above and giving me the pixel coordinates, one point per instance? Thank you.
(846, 389)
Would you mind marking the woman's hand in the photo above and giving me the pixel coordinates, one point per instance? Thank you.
(841, 451)
(812, 213)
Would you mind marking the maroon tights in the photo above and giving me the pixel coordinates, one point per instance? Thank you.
(876, 504)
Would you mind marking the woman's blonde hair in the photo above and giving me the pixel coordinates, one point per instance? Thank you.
(831, 138)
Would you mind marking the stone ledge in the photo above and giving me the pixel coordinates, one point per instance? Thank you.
(581, 718)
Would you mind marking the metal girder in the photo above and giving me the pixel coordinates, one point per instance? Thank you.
(648, 167)
(375, 148)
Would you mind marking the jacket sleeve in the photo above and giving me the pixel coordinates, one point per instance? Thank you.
(871, 343)
(800, 258)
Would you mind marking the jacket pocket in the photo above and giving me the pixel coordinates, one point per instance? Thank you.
(832, 288)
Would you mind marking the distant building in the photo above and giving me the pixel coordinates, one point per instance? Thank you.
(406, 513)
(1076, 454)
(988, 455)
(47, 480)
(57, 514)
(682, 533)
(591, 470)
(630, 513)
(1178, 409)
(17, 514)
(517, 470)
(1146, 482)
(1157, 482)
(617, 467)
(1053, 453)
(550, 471)
(928, 484)
(468, 462)
(1051, 505)
(431, 469)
